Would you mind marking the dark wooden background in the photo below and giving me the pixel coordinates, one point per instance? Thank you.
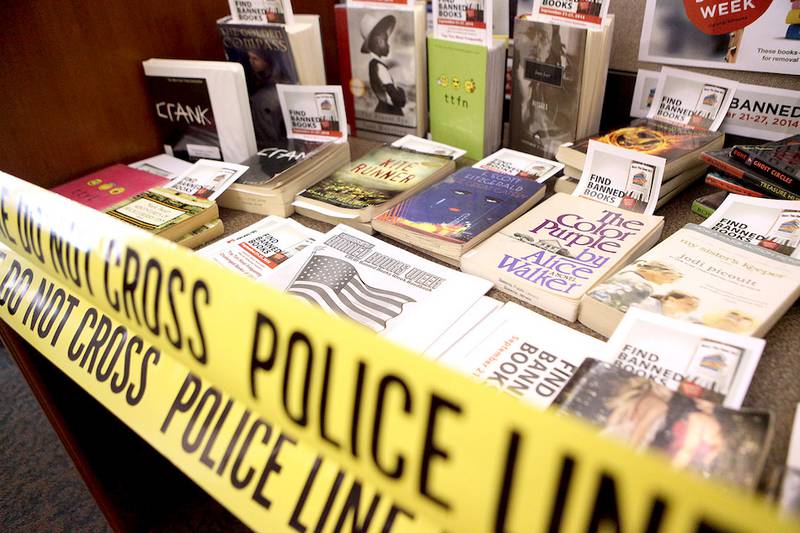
(72, 92)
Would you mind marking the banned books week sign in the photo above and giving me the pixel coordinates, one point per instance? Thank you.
(244, 403)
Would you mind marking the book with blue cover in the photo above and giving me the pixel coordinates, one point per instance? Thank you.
(453, 215)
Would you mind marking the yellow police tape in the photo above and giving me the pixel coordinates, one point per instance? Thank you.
(460, 455)
(266, 478)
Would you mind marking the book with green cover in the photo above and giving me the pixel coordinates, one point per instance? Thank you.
(465, 88)
(371, 184)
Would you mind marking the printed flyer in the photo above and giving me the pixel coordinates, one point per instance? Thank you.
(514, 163)
(585, 13)
(207, 179)
(692, 100)
(313, 112)
(755, 35)
(623, 178)
(464, 21)
(678, 354)
(271, 11)
(644, 92)
(427, 146)
(768, 223)
(401, 4)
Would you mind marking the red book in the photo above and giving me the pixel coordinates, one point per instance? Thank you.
(726, 183)
(108, 186)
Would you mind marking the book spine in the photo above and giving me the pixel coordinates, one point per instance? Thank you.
(345, 65)
(753, 181)
(701, 209)
(716, 181)
(764, 168)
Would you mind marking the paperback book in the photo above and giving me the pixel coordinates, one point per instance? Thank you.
(726, 444)
(278, 172)
(383, 69)
(551, 256)
(200, 236)
(165, 212)
(558, 83)
(708, 203)
(702, 276)
(680, 355)
(201, 109)
(455, 214)
(109, 186)
(359, 191)
(261, 247)
(770, 224)
(727, 183)
(388, 290)
(736, 174)
(779, 161)
(523, 353)
(163, 165)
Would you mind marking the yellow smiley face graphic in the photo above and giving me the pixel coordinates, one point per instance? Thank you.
(470, 86)
(455, 83)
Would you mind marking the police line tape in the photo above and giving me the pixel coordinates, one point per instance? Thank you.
(456, 453)
(263, 476)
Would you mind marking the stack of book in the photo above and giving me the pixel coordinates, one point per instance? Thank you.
(769, 170)
(680, 146)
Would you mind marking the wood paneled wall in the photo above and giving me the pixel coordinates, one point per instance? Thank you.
(72, 92)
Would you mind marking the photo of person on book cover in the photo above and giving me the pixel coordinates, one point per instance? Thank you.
(264, 103)
(545, 93)
(383, 69)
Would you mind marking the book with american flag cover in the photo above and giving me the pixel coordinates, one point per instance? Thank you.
(393, 292)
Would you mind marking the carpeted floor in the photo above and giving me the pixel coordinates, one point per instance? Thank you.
(40, 489)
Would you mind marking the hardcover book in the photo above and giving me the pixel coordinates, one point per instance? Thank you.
(393, 292)
(108, 186)
(551, 256)
(201, 109)
(261, 247)
(680, 146)
(271, 54)
(372, 184)
(382, 63)
(280, 171)
(523, 353)
(778, 161)
(456, 213)
(465, 83)
(726, 444)
(164, 212)
(558, 83)
(681, 355)
(702, 276)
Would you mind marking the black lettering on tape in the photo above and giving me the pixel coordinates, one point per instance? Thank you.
(272, 466)
(237, 480)
(75, 350)
(323, 402)
(111, 298)
(99, 337)
(298, 337)
(432, 449)
(200, 351)
(23, 283)
(294, 520)
(106, 366)
(507, 484)
(130, 280)
(260, 361)
(151, 356)
(359, 393)
(564, 479)
(396, 471)
(232, 444)
(191, 445)
(118, 383)
(394, 512)
(174, 335)
(326, 509)
(72, 302)
(30, 233)
(4, 216)
(182, 404)
(205, 456)
(150, 313)
(11, 276)
(352, 505)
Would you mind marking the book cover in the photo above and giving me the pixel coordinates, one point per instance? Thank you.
(261, 247)
(259, 11)
(707, 204)
(655, 138)
(727, 444)
(516, 163)
(547, 74)
(679, 355)
(158, 210)
(108, 186)
(393, 292)
(457, 85)
(162, 165)
(779, 161)
(375, 178)
(185, 117)
(207, 178)
(701, 276)
(378, 64)
(736, 170)
(555, 253)
(279, 156)
(265, 53)
(463, 205)
(764, 222)
(727, 183)
(523, 353)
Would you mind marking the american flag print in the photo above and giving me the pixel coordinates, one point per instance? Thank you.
(334, 285)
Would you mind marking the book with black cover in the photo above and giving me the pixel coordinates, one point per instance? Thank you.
(779, 161)
(733, 171)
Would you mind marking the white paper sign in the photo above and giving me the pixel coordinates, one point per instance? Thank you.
(400, 4)
(644, 92)
(669, 36)
(582, 13)
(313, 112)
(764, 112)
(427, 146)
(514, 163)
(260, 11)
(623, 178)
(692, 100)
(670, 351)
(465, 21)
(768, 223)
(207, 179)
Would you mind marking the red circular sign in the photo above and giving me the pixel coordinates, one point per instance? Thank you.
(716, 17)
